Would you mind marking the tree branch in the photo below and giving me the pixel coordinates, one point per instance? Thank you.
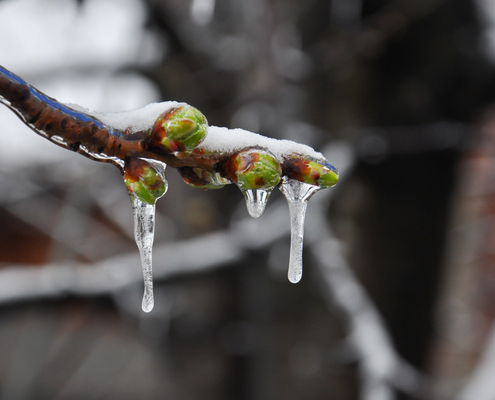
(174, 138)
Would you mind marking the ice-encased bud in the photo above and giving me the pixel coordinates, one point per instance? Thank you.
(143, 180)
(320, 173)
(256, 169)
(178, 131)
(201, 179)
(256, 172)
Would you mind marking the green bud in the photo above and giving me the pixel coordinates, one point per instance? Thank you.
(256, 169)
(323, 173)
(179, 131)
(143, 180)
(311, 171)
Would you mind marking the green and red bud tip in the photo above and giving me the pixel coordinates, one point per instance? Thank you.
(314, 172)
(143, 181)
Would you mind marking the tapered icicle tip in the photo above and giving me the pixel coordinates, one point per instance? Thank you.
(148, 298)
(297, 194)
(256, 201)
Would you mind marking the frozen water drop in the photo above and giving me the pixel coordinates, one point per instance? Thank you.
(144, 231)
(256, 201)
(297, 194)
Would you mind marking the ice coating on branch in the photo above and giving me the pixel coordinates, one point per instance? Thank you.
(144, 232)
(297, 194)
(256, 201)
(224, 140)
(133, 120)
(200, 179)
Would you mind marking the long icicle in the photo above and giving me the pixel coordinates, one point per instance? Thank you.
(297, 194)
(144, 232)
(146, 183)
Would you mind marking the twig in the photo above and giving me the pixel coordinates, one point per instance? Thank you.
(173, 139)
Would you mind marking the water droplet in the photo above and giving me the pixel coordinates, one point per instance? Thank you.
(256, 201)
(297, 194)
(144, 231)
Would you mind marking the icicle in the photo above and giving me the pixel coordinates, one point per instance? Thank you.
(144, 231)
(256, 201)
(297, 194)
(146, 183)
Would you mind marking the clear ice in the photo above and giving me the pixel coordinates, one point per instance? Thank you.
(297, 194)
(144, 233)
(256, 201)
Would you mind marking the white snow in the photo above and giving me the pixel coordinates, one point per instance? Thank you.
(134, 120)
(221, 139)
(218, 139)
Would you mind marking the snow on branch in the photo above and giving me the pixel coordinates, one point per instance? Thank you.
(174, 133)
(141, 143)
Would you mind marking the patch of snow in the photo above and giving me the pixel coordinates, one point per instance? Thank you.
(135, 120)
(218, 139)
(221, 139)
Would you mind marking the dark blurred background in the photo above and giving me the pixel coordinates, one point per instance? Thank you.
(397, 297)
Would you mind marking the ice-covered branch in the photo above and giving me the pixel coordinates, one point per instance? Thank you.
(173, 133)
(141, 143)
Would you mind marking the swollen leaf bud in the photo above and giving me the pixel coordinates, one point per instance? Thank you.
(255, 169)
(144, 180)
(320, 173)
(178, 131)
